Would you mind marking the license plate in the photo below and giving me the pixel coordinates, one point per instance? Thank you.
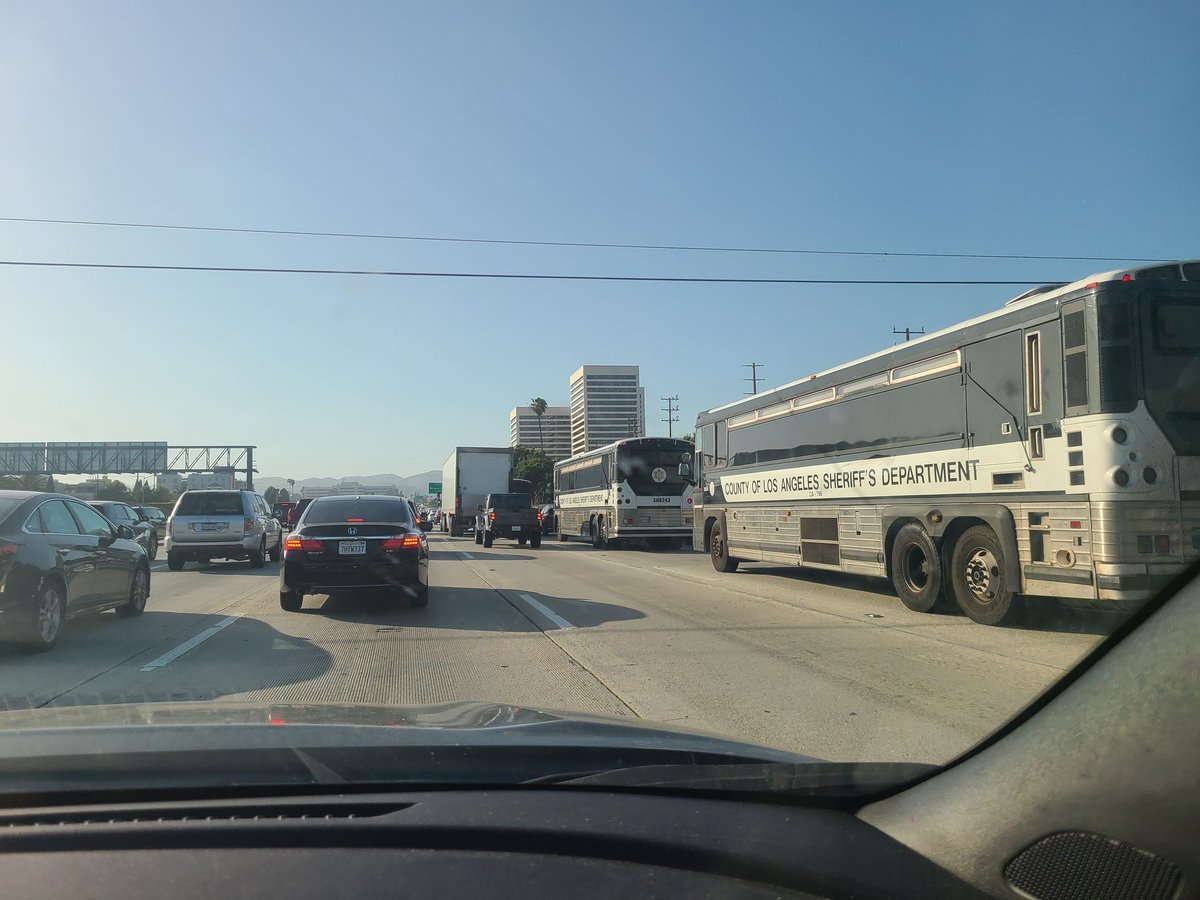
(352, 548)
(210, 526)
(516, 528)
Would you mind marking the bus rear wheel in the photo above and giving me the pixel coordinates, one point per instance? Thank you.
(719, 551)
(977, 575)
(917, 569)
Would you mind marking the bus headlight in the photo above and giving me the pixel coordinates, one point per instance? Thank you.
(1119, 435)
(1150, 475)
(1120, 477)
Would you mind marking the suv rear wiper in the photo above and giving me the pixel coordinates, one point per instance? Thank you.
(815, 779)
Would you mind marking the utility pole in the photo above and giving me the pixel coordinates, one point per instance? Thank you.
(670, 409)
(908, 332)
(753, 379)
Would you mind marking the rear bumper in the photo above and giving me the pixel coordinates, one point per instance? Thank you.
(304, 577)
(513, 531)
(214, 549)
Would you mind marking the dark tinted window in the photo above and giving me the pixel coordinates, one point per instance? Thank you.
(90, 521)
(924, 412)
(510, 501)
(57, 519)
(1118, 374)
(1176, 326)
(337, 511)
(228, 503)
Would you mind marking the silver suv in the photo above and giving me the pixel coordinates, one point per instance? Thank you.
(208, 525)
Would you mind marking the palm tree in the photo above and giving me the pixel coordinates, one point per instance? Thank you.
(31, 482)
(538, 405)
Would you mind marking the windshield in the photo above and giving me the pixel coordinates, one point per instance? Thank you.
(510, 501)
(915, 288)
(652, 471)
(331, 512)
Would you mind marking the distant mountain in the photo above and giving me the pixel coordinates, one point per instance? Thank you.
(410, 484)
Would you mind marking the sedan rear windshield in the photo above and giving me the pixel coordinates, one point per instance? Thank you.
(210, 505)
(336, 512)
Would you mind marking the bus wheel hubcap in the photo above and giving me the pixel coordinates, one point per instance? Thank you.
(983, 573)
(916, 569)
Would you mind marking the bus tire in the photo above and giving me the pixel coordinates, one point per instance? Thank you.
(917, 569)
(719, 551)
(599, 535)
(977, 576)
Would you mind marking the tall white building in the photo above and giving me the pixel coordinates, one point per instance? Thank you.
(554, 436)
(608, 404)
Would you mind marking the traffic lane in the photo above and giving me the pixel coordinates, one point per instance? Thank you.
(470, 643)
(834, 684)
(1047, 632)
(93, 644)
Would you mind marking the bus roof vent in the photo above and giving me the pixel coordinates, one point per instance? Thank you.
(1033, 292)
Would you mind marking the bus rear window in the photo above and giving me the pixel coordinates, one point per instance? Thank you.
(1176, 326)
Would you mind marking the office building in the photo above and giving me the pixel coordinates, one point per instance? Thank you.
(608, 404)
(554, 435)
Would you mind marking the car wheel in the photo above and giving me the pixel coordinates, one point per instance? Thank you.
(152, 552)
(977, 574)
(290, 601)
(174, 561)
(521, 541)
(479, 537)
(719, 551)
(535, 541)
(599, 535)
(258, 558)
(916, 569)
(48, 617)
(276, 551)
(487, 539)
(139, 591)
(562, 536)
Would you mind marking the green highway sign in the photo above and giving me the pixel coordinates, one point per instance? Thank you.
(435, 487)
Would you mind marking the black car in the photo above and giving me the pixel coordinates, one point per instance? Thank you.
(144, 531)
(355, 543)
(296, 510)
(549, 519)
(60, 557)
(155, 517)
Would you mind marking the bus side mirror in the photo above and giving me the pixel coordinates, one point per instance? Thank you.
(685, 471)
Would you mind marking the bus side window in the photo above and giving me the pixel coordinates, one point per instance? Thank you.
(720, 447)
(704, 446)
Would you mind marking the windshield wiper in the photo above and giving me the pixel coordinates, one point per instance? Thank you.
(794, 779)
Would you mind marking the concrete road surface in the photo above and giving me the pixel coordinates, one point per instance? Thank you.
(828, 665)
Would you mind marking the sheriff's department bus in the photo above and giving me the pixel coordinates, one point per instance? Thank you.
(631, 489)
(1050, 448)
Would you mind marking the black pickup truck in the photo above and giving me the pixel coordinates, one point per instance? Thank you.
(508, 516)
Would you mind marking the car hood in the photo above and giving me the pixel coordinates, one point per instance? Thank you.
(226, 725)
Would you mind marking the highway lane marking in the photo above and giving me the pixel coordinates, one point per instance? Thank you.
(547, 612)
(172, 655)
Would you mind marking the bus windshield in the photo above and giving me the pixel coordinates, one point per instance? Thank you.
(1171, 363)
(652, 471)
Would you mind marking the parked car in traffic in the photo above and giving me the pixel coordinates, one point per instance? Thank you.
(155, 517)
(60, 557)
(222, 524)
(120, 513)
(367, 543)
(549, 519)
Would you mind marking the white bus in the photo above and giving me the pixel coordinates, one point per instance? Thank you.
(1049, 448)
(631, 489)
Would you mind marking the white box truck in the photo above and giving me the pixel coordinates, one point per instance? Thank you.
(468, 476)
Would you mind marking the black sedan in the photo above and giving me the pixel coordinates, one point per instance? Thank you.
(355, 543)
(60, 557)
(120, 513)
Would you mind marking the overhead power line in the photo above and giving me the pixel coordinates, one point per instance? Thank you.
(529, 276)
(592, 244)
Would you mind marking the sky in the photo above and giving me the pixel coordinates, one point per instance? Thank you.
(1009, 128)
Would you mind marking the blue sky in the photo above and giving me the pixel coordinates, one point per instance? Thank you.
(1025, 128)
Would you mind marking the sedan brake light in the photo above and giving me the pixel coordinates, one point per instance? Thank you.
(299, 543)
(407, 542)
(7, 550)
(493, 515)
